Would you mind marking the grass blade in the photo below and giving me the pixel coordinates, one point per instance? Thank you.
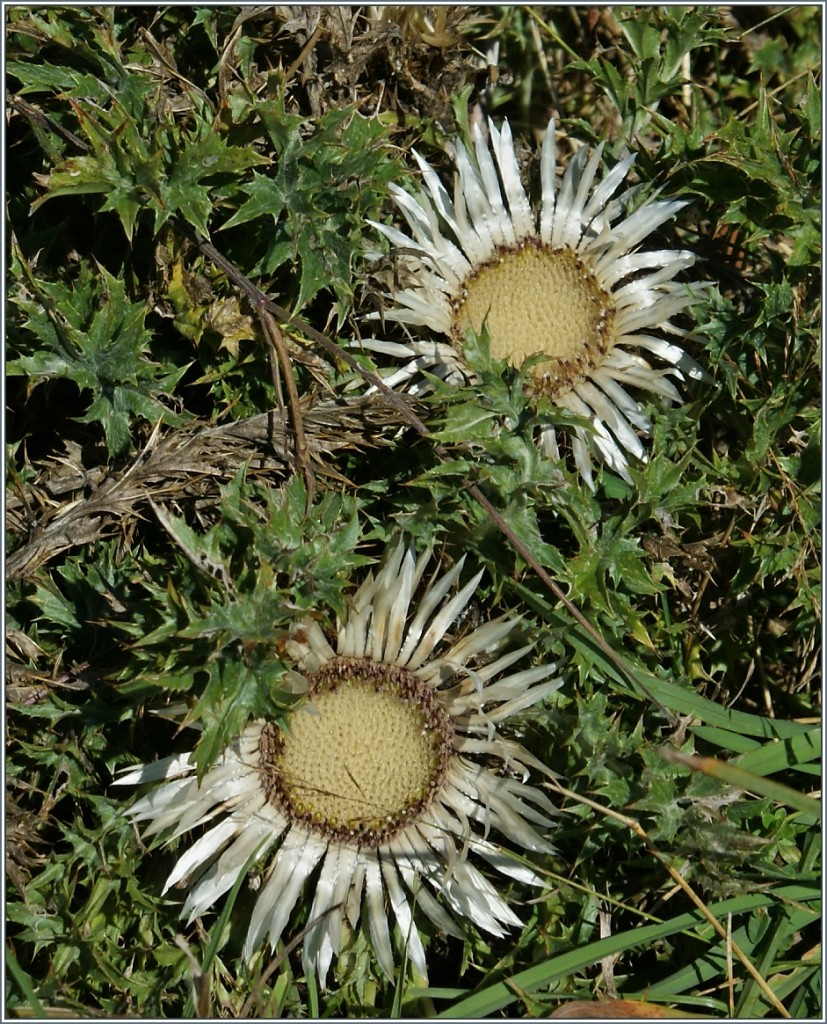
(24, 982)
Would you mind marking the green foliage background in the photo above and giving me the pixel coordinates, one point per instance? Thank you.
(161, 537)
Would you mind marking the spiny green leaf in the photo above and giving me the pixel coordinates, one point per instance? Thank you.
(181, 190)
(234, 695)
(315, 191)
(98, 338)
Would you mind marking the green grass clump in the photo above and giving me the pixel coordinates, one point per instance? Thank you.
(164, 528)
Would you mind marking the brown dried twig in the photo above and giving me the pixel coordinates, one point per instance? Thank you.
(273, 333)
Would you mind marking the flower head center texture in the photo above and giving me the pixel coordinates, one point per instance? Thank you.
(364, 757)
(536, 300)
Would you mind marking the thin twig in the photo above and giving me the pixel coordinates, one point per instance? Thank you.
(276, 338)
(308, 47)
(44, 121)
